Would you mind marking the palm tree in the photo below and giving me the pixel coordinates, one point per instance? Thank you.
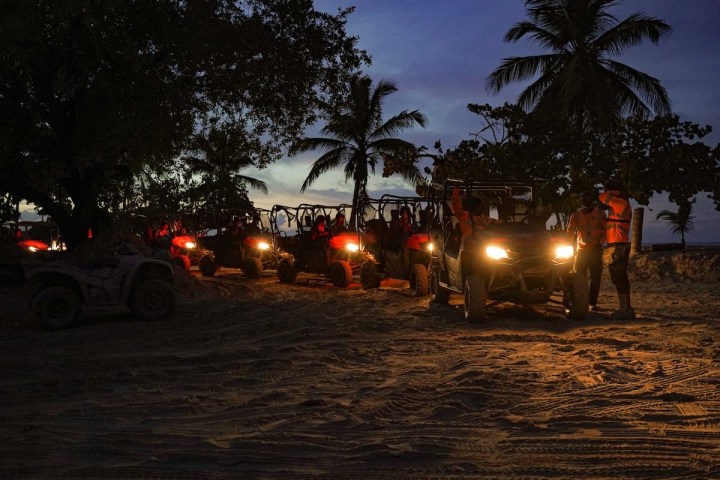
(680, 221)
(578, 77)
(358, 139)
(215, 159)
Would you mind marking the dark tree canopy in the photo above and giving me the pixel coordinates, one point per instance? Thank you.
(650, 156)
(91, 92)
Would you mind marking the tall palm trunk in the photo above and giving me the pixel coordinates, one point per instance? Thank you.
(354, 209)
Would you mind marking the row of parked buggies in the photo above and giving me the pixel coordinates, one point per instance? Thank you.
(514, 258)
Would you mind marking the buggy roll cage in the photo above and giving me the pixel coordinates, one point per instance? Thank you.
(387, 208)
(221, 221)
(502, 194)
(303, 216)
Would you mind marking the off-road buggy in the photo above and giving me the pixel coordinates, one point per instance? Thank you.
(37, 236)
(400, 254)
(183, 248)
(514, 258)
(248, 247)
(62, 288)
(338, 258)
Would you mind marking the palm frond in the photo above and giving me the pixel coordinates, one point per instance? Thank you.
(392, 146)
(382, 90)
(631, 32)
(254, 183)
(324, 164)
(680, 222)
(543, 37)
(399, 122)
(533, 96)
(317, 143)
(647, 86)
(515, 69)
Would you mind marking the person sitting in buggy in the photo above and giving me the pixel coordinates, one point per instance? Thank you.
(480, 219)
(163, 236)
(318, 232)
(339, 225)
(236, 232)
(254, 227)
(405, 223)
(177, 227)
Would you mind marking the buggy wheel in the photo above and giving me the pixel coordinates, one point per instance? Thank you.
(207, 265)
(152, 299)
(576, 298)
(340, 273)
(475, 298)
(183, 261)
(286, 271)
(369, 276)
(438, 293)
(253, 267)
(56, 307)
(419, 280)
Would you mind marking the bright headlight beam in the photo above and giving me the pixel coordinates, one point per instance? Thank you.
(564, 251)
(189, 245)
(496, 253)
(352, 247)
(263, 245)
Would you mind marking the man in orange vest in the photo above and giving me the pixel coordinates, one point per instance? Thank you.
(587, 226)
(617, 251)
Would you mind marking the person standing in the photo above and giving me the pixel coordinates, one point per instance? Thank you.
(617, 251)
(587, 226)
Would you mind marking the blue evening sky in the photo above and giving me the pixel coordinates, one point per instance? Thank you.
(439, 52)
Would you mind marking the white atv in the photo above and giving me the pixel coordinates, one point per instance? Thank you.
(62, 288)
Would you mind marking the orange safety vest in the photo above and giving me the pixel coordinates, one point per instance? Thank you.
(463, 216)
(588, 226)
(619, 217)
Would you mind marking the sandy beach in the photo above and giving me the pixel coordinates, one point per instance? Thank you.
(255, 379)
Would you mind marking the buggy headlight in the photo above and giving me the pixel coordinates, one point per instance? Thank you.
(495, 252)
(189, 245)
(263, 245)
(564, 251)
(352, 247)
(32, 249)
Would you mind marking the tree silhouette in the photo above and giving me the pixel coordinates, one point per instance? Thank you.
(578, 77)
(92, 92)
(681, 221)
(358, 138)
